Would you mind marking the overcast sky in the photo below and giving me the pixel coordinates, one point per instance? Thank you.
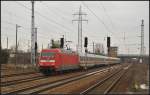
(54, 19)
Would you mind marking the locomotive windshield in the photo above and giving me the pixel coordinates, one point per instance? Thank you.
(47, 54)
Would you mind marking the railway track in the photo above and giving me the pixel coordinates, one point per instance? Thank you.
(4, 69)
(106, 85)
(74, 87)
(44, 86)
(14, 82)
(62, 82)
(17, 74)
(11, 80)
(59, 83)
(22, 79)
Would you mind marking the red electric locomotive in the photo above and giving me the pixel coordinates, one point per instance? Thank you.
(57, 60)
(52, 60)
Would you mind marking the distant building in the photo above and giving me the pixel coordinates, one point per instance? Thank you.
(99, 48)
(113, 51)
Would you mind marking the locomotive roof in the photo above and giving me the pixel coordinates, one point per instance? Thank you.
(58, 50)
(51, 50)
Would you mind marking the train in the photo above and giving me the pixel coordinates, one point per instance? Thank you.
(53, 60)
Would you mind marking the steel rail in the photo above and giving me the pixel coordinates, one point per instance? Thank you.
(45, 86)
(59, 83)
(100, 83)
(116, 81)
(14, 82)
(17, 74)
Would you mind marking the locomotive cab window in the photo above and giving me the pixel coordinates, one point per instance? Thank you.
(48, 54)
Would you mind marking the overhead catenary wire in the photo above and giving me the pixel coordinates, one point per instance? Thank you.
(113, 25)
(20, 24)
(13, 36)
(25, 7)
(101, 21)
(46, 7)
(28, 29)
(21, 38)
(30, 9)
(57, 13)
(62, 14)
(44, 27)
(46, 18)
(96, 17)
(39, 36)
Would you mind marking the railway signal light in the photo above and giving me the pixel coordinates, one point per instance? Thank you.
(85, 42)
(52, 41)
(35, 45)
(108, 41)
(86, 50)
(61, 42)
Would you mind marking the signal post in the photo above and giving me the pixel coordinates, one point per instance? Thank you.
(86, 50)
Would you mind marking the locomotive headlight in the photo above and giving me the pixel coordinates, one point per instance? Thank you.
(42, 60)
(51, 60)
(47, 60)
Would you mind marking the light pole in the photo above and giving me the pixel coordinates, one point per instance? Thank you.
(17, 26)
